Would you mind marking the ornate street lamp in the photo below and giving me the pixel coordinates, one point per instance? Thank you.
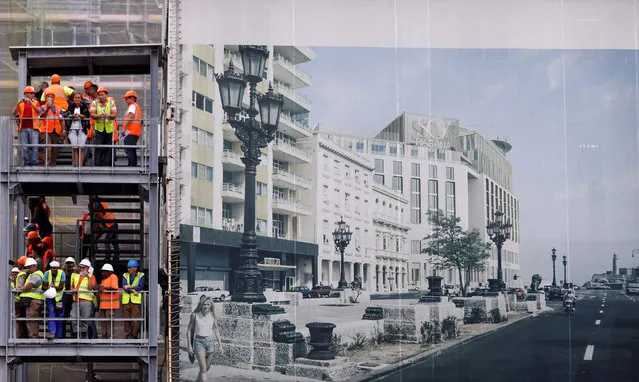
(565, 279)
(254, 135)
(554, 257)
(341, 237)
(499, 232)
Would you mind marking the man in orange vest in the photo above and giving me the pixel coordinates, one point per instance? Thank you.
(102, 212)
(132, 127)
(28, 110)
(109, 300)
(52, 130)
(49, 255)
(61, 93)
(89, 92)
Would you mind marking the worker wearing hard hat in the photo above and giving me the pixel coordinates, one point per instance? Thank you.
(54, 280)
(132, 128)
(28, 110)
(90, 92)
(82, 285)
(103, 112)
(49, 254)
(52, 127)
(109, 301)
(16, 274)
(133, 284)
(60, 92)
(69, 268)
(33, 298)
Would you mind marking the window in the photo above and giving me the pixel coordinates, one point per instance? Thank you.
(441, 154)
(450, 198)
(359, 147)
(379, 148)
(431, 154)
(203, 68)
(415, 201)
(379, 179)
(398, 183)
(326, 163)
(209, 173)
(414, 152)
(194, 170)
(347, 171)
(415, 247)
(202, 102)
(357, 205)
(201, 137)
(200, 215)
(384, 243)
(325, 233)
(450, 173)
(278, 225)
(379, 165)
(347, 205)
(392, 148)
(260, 189)
(433, 203)
(432, 171)
(194, 134)
(260, 225)
(397, 167)
(397, 246)
(201, 172)
(415, 170)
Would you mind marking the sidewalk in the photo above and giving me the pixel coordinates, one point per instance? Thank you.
(228, 374)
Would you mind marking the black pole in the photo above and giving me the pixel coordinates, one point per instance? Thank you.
(342, 279)
(554, 280)
(565, 280)
(500, 274)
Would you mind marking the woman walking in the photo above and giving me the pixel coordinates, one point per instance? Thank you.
(78, 127)
(202, 333)
(39, 217)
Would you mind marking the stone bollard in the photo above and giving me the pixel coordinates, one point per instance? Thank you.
(321, 340)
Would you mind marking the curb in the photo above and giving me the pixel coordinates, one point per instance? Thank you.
(436, 351)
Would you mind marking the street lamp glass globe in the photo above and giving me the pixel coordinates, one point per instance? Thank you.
(253, 58)
(489, 229)
(270, 108)
(231, 87)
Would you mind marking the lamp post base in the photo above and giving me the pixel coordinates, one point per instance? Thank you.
(342, 284)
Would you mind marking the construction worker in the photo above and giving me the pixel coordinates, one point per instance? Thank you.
(55, 278)
(52, 130)
(103, 112)
(132, 127)
(21, 306)
(61, 93)
(33, 298)
(70, 267)
(109, 301)
(133, 284)
(84, 231)
(90, 92)
(21, 328)
(28, 110)
(43, 86)
(82, 285)
(49, 254)
(102, 212)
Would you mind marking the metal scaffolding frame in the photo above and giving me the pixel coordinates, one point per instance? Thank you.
(80, 60)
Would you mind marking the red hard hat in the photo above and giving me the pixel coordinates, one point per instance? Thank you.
(55, 79)
(102, 89)
(130, 93)
(29, 89)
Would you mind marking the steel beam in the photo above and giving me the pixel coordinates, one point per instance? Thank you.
(84, 350)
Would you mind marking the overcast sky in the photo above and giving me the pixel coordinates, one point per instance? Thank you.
(582, 200)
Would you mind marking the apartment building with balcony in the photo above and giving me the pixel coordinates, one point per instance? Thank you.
(212, 215)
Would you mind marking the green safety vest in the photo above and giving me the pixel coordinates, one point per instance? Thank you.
(103, 125)
(58, 278)
(35, 293)
(83, 288)
(126, 296)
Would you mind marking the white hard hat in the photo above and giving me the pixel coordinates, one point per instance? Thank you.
(70, 260)
(15, 270)
(30, 261)
(54, 264)
(85, 263)
(107, 267)
(91, 270)
(50, 293)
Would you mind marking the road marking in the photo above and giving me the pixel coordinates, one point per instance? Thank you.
(589, 350)
(601, 311)
(597, 322)
(602, 305)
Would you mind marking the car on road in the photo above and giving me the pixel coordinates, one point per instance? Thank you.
(451, 290)
(477, 292)
(306, 293)
(554, 293)
(632, 287)
(519, 292)
(210, 291)
(413, 287)
(321, 291)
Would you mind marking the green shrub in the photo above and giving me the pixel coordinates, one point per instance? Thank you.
(477, 316)
(337, 345)
(495, 317)
(450, 328)
(377, 338)
(431, 332)
(359, 342)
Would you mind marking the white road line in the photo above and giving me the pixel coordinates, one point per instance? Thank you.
(589, 350)
(602, 305)
(601, 311)
(597, 322)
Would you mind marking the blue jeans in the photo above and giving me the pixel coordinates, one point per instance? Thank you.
(30, 136)
(55, 326)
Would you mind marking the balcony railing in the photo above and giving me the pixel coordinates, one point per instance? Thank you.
(291, 204)
(292, 178)
(287, 146)
(293, 68)
(230, 154)
(232, 187)
(289, 118)
(291, 94)
(20, 153)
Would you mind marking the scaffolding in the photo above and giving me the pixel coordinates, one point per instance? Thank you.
(143, 181)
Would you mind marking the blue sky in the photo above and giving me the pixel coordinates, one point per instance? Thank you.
(547, 103)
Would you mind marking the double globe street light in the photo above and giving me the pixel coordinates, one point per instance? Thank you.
(342, 237)
(254, 135)
(499, 232)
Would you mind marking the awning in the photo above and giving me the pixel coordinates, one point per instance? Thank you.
(273, 267)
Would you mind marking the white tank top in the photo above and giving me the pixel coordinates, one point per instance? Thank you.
(203, 325)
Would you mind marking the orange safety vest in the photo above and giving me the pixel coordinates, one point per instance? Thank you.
(110, 299)
(83, 224)
(34, 115)
(106, 215)
(60, 99)
(51, 125)
(135, 126)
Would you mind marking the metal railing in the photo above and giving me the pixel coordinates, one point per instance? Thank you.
(233, 188)
(48, 153)
(286, 145)
(114, 324)
(291, 94)
(292, 178)
(230, 154)
(291, 204)
(288, 117)
(293, 68)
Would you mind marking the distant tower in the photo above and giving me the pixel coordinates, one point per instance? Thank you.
(614, 263)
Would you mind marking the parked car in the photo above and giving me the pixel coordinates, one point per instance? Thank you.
(554, 293)
(413, 288)
(213, 292)
(306, 293)
(632, 287)
(321, 291)
(451, 290)
(478, 292)
(519, 292)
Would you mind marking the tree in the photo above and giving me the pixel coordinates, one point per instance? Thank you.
(449, 246)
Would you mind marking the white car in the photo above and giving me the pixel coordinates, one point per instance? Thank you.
(452, 290)
(213, 292)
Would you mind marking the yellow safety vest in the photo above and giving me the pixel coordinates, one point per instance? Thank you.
(129, 295)
(103, 125)
(58, 278)
(36, 293)
(83, 289)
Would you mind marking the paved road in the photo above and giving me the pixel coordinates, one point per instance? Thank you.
(396, 296)
(598, 344)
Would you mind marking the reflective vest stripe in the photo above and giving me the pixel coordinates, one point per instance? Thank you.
(36, 293)
(81, 283)
(126, 296)
(58, 278)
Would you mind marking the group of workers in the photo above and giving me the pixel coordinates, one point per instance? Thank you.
(71, 294)
(61, 113)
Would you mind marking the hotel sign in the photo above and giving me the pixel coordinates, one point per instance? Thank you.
(432, 132)
(271, 261)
